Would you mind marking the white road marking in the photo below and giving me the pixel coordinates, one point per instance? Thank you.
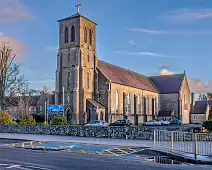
(13, 166)
(3, 164)
(24, 168)
(38, 167)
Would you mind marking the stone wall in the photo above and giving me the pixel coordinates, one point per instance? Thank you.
(144, 133)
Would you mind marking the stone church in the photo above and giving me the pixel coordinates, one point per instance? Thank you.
(91, 89)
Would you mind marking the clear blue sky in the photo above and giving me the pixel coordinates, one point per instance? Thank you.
(140, 35)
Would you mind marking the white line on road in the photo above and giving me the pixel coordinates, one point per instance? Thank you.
(38, 167)
(13, 166)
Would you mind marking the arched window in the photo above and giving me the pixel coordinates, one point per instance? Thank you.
(128, 99)
(85, 35)
(90, 37)
(73, 33)
(117, 99)
(139, 104)
(66, 35)
(88, 80)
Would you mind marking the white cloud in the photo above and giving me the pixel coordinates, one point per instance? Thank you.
(196, 85)
(162, 32)
(187, 14)
(17, 46)
(165, 71)
(131, 42)
(52, 48)
(150, 54)
(12, 11)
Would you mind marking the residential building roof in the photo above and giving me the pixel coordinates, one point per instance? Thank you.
(167, 84)
(204, 102)
(14, 101)
(125, 77)
(199, 109)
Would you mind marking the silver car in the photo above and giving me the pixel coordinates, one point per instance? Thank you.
(97, 123)
(152, 123)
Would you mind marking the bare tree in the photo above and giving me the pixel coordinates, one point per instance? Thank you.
(23, 102)
(10, 78)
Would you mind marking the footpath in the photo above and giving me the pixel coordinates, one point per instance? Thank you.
(80, 140)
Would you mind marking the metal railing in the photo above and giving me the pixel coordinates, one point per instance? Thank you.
(186, 142)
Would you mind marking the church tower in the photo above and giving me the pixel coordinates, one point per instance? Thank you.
(76, 64)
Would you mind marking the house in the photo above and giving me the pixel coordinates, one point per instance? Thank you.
(200, 110)
(34, 104)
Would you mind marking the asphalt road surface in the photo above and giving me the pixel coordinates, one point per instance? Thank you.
(16, 159)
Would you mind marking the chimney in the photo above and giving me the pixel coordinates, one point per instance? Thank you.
(193, 100)
(30, 94)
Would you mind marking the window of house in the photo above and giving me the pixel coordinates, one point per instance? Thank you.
(30, 108)
(88, 80)
(117, 99)
(15, 109)
(73, 33)
(90, 37)
(85, 35)
(66, 35)
(35, 109)
(40, 108)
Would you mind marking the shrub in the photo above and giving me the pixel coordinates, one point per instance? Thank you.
(5, 118)
(60, 121)
(28, 119)
(43, 124)
(208, 125)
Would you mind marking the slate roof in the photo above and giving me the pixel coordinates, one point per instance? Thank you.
(168, 83)
(125, 77)
(164, 113)
(95, 103)
(199, 109)
(13, 101)
(204, 102)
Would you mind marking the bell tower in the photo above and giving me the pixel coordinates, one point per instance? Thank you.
(76, 64)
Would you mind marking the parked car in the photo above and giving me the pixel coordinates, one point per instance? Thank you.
(97, 123)
(164, 122)
(152, 123)
(176, 122)
(121, 123)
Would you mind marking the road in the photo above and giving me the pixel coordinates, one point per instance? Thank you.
(16, 159)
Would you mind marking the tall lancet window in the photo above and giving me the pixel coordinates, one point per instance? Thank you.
(88, 80)
(69, 78)
(66, 35)
(117, 100)
(73, 33)
(85, 35)
(90, 37)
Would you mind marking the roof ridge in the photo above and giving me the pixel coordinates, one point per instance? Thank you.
(124, 68)
(167, 75)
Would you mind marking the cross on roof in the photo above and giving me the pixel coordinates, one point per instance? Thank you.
(78, 7)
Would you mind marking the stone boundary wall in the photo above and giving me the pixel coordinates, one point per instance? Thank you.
(144, 133)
